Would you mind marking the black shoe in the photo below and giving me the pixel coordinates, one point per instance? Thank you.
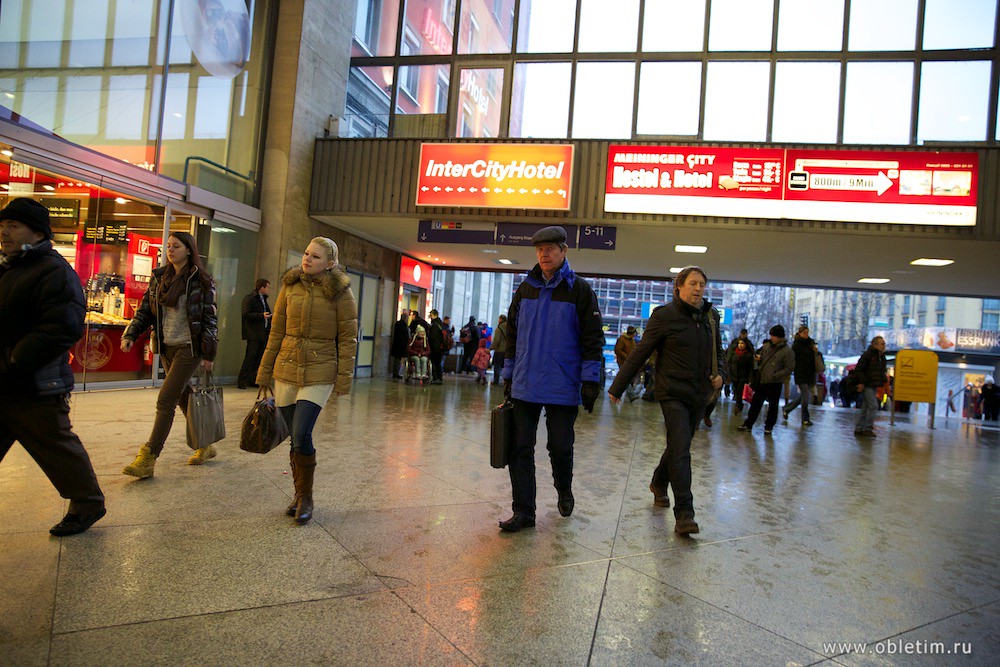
(867, 434)
(76, 523)
(517, 522)
(807, 422)
(742, 427)
(686, 525)
(566, 502)
(660, 497)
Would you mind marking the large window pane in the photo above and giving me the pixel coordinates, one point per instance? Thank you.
(539, 105)
(546, 27)
(375, 25)
(486, 26)
(37, 101)
(212, 107)
(479, 98)
(954, 99)
(426, 29)
(808, 25)
(133, 32)
(90, 27)
(45, 32)
(882, 25)
(175, 106)
(367, 109)
(669, 99)
(602, 108)
(127, 104)
(668, 25)
(959, 24)
(741, 25)
(609, 26)
(82, 109)
(10, 35)
(878, 103)
(736, 101)
(419, 89)
(806, 102)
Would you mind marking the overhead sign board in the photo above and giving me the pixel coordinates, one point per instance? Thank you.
(520, 233)
(846, 186)
(598, 237)
(441, 231)
(525, 176)
(415, 273)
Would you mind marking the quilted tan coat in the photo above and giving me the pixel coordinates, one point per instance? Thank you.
(314, 332)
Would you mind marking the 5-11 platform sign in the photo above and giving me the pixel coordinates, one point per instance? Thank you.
(598, 237)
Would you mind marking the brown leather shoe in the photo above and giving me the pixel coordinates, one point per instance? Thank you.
(685, 525)
(660, 497)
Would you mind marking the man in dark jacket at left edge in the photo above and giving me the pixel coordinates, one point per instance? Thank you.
(41, 318)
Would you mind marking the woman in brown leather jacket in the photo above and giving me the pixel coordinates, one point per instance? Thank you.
(179, 305)
(309, 355)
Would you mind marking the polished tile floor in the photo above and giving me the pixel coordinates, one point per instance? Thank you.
(814, 545)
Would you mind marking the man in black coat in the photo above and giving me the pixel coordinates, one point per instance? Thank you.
(805, 351)
(400, 341)
(871, 372)
(435, 339)
(685, 335)
(256, 327)
(41, 318)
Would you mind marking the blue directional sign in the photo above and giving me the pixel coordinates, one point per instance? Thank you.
(520, 233)
(598, 237)
(438, 231)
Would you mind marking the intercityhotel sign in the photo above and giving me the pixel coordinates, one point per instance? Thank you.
(846, 186)
(526, 176)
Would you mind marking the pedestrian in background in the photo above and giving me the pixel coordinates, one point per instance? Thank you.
(400, 341)
(871, 373)
(310, 355)
(775, 363)
(805, 351)
(499, 348)
(179, 305)
(256, 320)
(41, 319)
(685, 334)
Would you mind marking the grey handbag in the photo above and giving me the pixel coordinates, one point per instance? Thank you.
(205, 414)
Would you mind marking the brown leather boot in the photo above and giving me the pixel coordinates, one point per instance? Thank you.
(305, 467)
(295, 501)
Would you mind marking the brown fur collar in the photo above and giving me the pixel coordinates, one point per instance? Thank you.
(334, 282)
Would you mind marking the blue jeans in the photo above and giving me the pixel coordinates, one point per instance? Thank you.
(869, 408)
(804, 397)
(301, 418)
(559, 421)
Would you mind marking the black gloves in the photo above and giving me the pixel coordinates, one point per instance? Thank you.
(589, 393)
(506, 390)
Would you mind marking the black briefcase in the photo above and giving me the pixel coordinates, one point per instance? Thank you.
(501, 434)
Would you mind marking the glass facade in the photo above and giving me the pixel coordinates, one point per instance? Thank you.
(173, 86)
(898, 72)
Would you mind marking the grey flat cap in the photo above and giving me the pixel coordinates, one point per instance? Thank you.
(554, 234)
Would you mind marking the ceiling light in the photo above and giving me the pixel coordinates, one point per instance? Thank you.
(10, 95)
(505, 261)
(676, 269)
(874, 281)
(7, 152)
(48, 187)
(121, 200)
(178, 115)
(223, 230)
(691, 248)
(490, 251)
(925, 261)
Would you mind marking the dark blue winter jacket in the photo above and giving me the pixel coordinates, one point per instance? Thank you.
(555, 338)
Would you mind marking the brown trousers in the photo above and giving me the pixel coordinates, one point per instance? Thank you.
(180, 365)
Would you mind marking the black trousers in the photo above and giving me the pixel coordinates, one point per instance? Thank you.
(437, 365)
(770, 392)
(498, 359)
(41, 424)
(559, 421)
(674, 469)
(251, 362)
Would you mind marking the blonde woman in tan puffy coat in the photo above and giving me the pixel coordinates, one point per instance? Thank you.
(310, 355)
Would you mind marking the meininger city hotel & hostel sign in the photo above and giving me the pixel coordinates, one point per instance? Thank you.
(896, 187)
(524, 176)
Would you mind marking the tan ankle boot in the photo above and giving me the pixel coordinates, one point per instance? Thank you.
(143, 465)
(305, 467)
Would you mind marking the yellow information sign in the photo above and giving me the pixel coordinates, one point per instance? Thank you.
(916, 376)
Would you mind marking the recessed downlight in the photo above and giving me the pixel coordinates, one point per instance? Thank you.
(698, 249)
(676, 269)
(505, 261)
(874, 281)
(931, 261)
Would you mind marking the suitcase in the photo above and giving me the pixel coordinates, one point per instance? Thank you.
(501, 434)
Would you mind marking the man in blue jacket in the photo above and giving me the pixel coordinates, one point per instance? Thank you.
(554, 347)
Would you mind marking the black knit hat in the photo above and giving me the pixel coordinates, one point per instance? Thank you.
(777, 330)
(29, 213)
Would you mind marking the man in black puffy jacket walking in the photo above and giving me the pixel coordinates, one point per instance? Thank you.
(685, 335)
(41, 318)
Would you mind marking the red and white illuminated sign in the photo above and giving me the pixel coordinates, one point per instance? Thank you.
(847, 186)
(528, 176)
(415, 273)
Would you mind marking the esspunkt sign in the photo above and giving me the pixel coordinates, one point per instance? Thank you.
(526, 176)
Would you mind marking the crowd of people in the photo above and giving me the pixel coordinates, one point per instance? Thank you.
(547, 350)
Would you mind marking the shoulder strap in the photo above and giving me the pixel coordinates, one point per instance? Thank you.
(715, 351)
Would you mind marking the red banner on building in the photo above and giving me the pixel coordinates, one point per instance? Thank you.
(415, 273)
(848, 186)
(529, 176)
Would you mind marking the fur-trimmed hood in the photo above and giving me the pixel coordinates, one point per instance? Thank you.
(333, 282)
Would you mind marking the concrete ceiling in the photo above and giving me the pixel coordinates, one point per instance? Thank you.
(830, 258)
